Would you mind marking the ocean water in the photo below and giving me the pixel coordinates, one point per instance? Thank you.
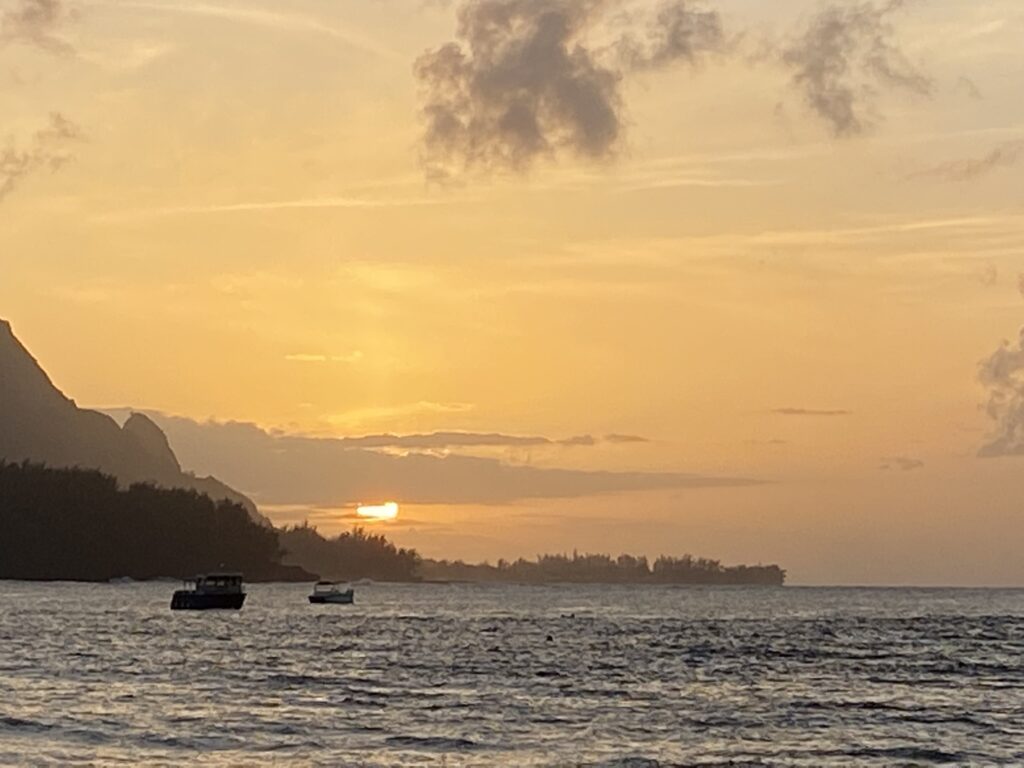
(454, 675)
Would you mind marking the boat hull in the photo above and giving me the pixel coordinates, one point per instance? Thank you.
(342, 599)
(184, 600)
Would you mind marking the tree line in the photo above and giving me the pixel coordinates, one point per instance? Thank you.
(351, 555)
(604, 569)
(75, 524)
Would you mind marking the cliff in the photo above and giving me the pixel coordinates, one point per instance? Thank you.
(39, 423)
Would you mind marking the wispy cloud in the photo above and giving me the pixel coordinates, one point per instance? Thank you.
(1005, 155)
(360, 416)
(36, 22)
(269, 19)
(349, 358)
(316, 203)
(1002, 374)
(900, 463)
(844, 57)
(614, 438)
(48, 150)
(810, 412)
(447, 440)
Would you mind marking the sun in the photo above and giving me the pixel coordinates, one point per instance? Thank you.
(386, 511)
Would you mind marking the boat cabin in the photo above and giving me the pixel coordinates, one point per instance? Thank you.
(215, 583)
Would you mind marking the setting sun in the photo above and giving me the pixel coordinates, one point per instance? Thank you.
(386, 511)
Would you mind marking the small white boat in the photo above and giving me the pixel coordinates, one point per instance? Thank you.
(329, 592)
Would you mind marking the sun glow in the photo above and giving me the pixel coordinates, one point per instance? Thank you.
(387, 511)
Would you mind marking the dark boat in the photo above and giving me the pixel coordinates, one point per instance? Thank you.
(215, 590)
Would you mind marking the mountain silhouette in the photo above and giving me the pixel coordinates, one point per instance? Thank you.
(39, 423)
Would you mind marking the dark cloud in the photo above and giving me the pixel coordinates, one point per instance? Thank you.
(614, 438)
(1006, 155)
(901, 463)
(679, 31)
(523, 81)
(579, 440)
(438, 440)
(444, 440)
(969, 87)
(1002, 374)
(48, 150)
(844, 57)
(289, 470)
(810, 412)
(35, 22)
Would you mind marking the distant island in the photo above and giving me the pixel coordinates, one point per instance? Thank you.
(80, 525)
(84, 499)
(604, 569)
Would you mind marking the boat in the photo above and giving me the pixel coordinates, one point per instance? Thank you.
(214, 590)
(329, 592)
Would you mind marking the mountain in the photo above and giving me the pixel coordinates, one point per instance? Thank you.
(39, 423)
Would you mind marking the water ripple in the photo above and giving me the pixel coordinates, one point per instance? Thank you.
(456, 675)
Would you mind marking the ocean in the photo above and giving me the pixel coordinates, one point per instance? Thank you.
(468, 675)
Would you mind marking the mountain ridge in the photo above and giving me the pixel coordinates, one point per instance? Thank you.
(39, 423)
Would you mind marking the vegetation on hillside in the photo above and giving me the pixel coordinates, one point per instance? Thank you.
(74, 524)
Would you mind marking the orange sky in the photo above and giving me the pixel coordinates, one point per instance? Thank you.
(239, 227)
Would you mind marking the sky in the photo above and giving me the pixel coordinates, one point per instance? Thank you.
(741, 279)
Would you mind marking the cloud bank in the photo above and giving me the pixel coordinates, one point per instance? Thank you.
(844, 57)
(292, 470)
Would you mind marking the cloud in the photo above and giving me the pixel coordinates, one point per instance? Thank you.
(35, 22)
(47, 151)
(1002, 374)
(440, 440)
(312, 204)
(361, 416)
(614, 438)
(679, 31)
(351, 358)
(444, 440)
(901, 463)
(989, 275)
(844, 57)
(969, 87)
(274, 20)
(1005, 155)
(524, 81)
(578, 440)
(810, 412)
(292, 470)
